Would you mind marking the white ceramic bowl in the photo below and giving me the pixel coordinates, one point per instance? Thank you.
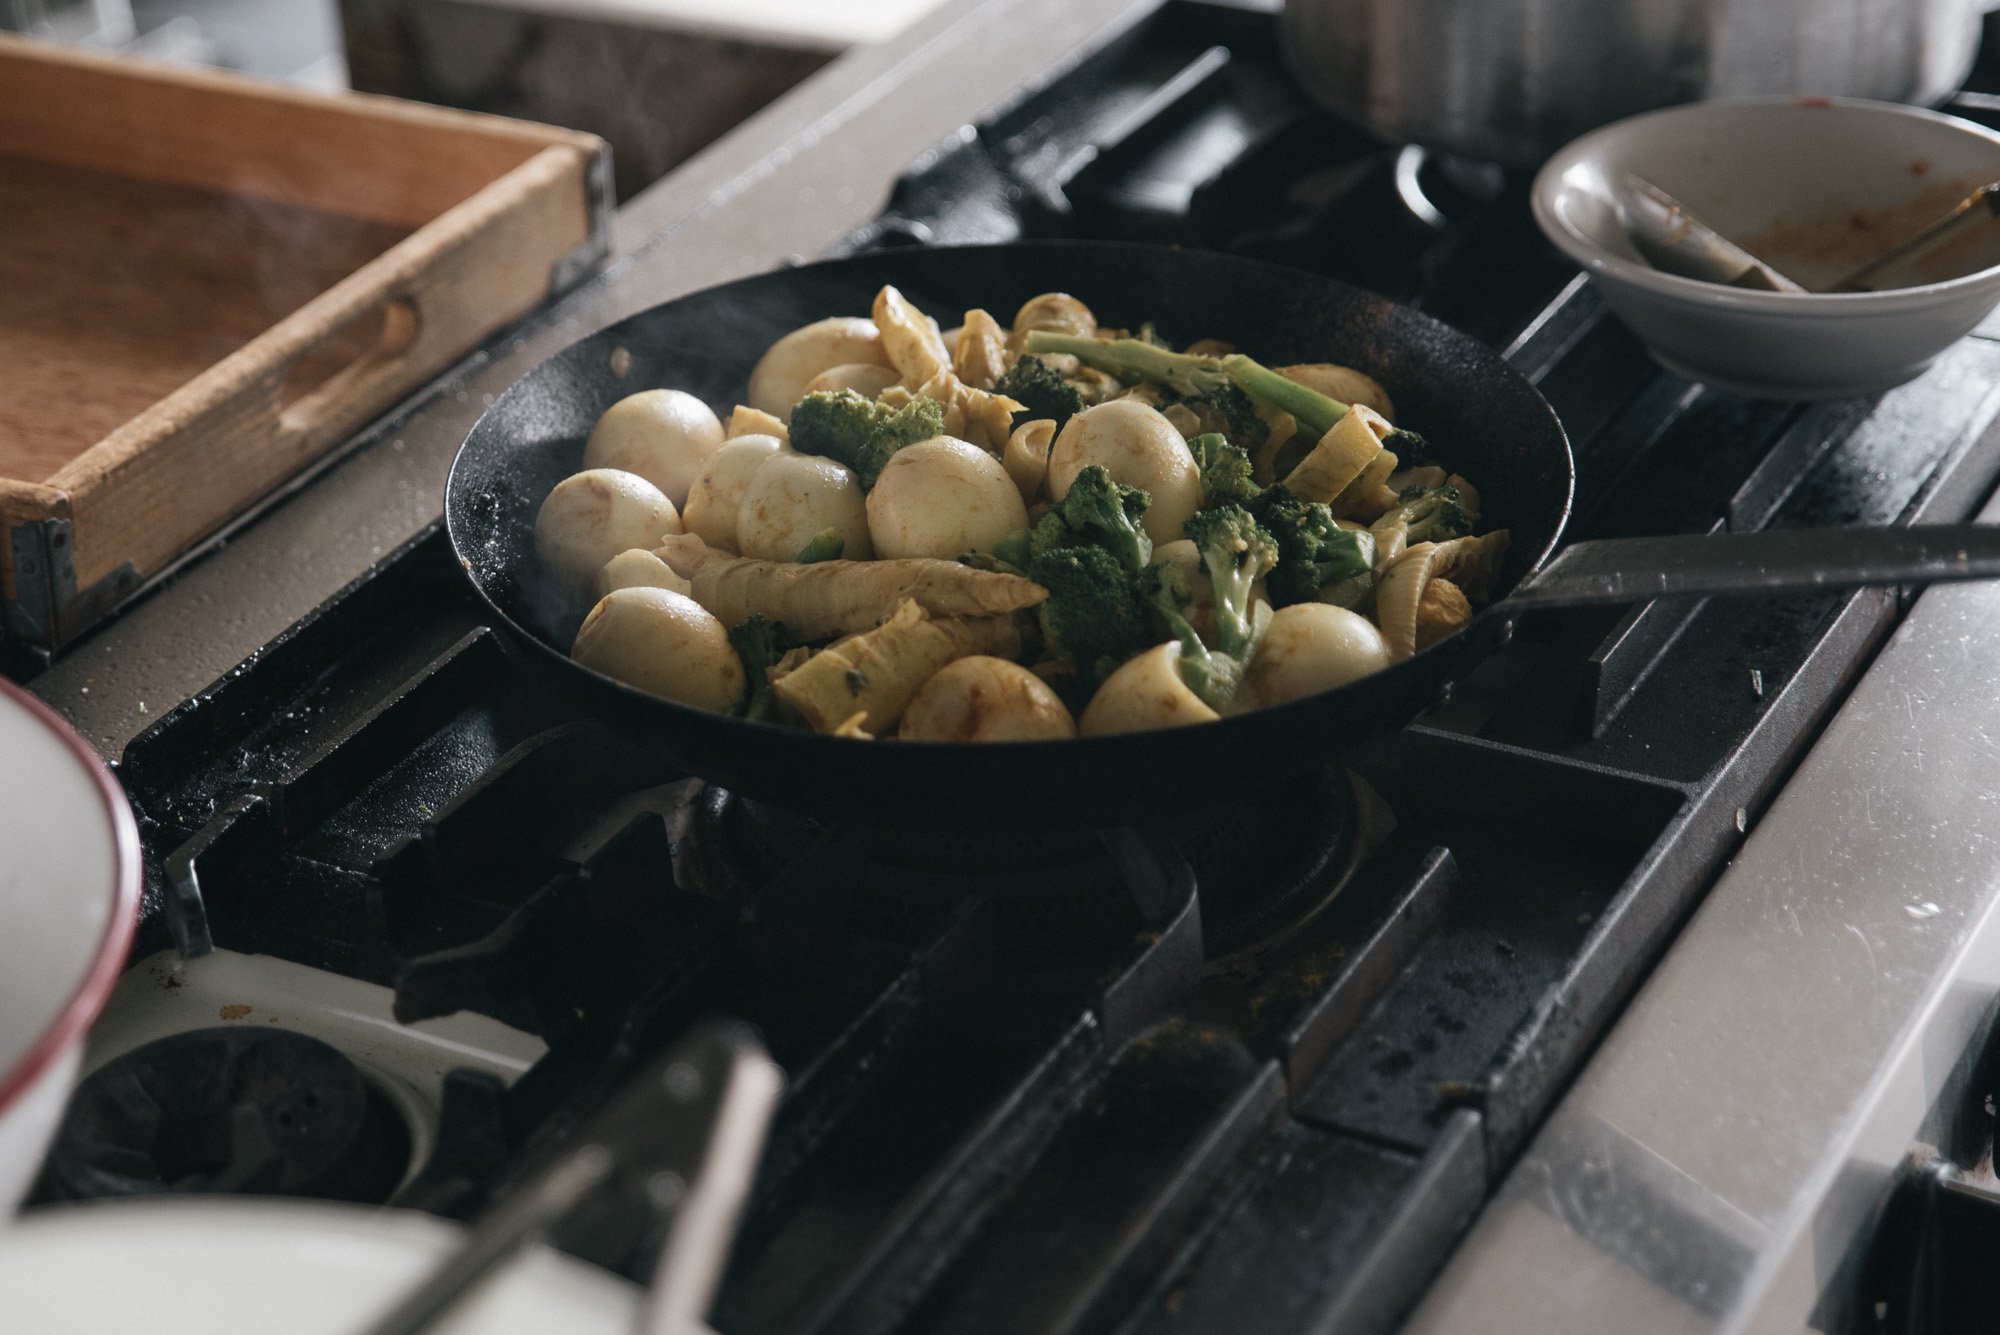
(69, 899)
(1814, 186)
(234, 1266)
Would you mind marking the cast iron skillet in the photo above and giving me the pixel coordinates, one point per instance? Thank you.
(1483, 418)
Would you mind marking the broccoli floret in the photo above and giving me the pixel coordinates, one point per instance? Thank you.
(1097, 512)
(852, 429)
(1034, 383)
(1093, 616)
(1313, 549)
(1225, 470)
(1231, 411)
(1237, 552)
(1196, 377)
(759, 642)
(1429, 514)
(1411, 450)
(1150, 333)
(1212, 676)
(826, 545)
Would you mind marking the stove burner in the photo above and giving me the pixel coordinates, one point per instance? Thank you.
(243, 1110)
(1262, 865)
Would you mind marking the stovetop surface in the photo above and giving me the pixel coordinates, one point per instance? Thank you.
(1133, 1105)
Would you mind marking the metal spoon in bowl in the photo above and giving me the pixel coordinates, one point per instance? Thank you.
(1674, 241)
(1981, 206)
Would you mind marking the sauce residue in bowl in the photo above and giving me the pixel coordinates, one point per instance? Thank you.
(1821, 247)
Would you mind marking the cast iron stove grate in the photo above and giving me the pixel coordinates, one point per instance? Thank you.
(1128, 1119)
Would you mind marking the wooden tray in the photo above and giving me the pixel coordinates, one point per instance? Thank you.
(208, 282)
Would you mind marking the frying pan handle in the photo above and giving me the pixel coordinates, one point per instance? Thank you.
(1630, 570)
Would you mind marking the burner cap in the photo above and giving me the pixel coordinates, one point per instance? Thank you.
(262, 1111)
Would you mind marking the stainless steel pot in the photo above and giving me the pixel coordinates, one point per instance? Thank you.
(1514, 80)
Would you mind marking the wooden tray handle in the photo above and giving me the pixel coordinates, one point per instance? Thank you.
(311, 401)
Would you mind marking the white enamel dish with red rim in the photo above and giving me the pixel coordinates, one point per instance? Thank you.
(69, 900)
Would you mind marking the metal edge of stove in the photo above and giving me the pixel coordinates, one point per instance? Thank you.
(788, 183)
(1725, 1155)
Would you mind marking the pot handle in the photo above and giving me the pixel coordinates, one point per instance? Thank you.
(1798, 560)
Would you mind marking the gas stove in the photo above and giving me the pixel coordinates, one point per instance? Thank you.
(408, 925)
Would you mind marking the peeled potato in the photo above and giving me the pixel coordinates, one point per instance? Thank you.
(864, 378)
(639, 569)
(664, 435)
(662, 642)
(985, 699)
(592, 516)
(943, 497)
(1144, 693)
(792, 499)
(1309, 648)
(718, 493)
(780, 377)
(1139, 448)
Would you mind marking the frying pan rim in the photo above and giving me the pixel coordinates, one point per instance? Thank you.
(554, 658)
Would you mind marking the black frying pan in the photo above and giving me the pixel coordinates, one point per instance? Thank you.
(1484, 418)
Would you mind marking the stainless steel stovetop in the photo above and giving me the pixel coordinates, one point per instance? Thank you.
(1722, 1159)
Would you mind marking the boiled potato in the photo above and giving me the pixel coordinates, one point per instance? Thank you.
(864, 378)
(1145, 693)
(943, 497)
(717, 494)
(1139, 448)
(592, 516)
(792, 499)
(664, 643)
(780, 377)
(664, 435)
(639, 569)
(1309, 648)
(985, 699)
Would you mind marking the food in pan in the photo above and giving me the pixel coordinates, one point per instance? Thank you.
(1011, 532)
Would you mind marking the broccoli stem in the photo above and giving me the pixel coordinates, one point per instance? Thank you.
(1187, 374)
(1314, 411)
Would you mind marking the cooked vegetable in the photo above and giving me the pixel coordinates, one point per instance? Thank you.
(864, 378)
(787, 366)
(1151, 506)
(1309, 648)
(1213, 676)
(717, 495)
(1137, 447)
(592, 516)
(1196, 377)
(943, 497)
(1093, 619)
(986, 699)
(878, 672)
(1313, 549)
(664, 435)
(1097, 512)
(1042, 390)
(861, 433)
(1238, 554)
(826, 545)
(795, 497)
(833, 598)
(1225, 470)
(759, 643)
(1343, 384)
(1144, 694)
(639, 569)
(1425, 514)
(662, 642)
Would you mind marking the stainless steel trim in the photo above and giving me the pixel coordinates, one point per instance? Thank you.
(1728, 1147)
